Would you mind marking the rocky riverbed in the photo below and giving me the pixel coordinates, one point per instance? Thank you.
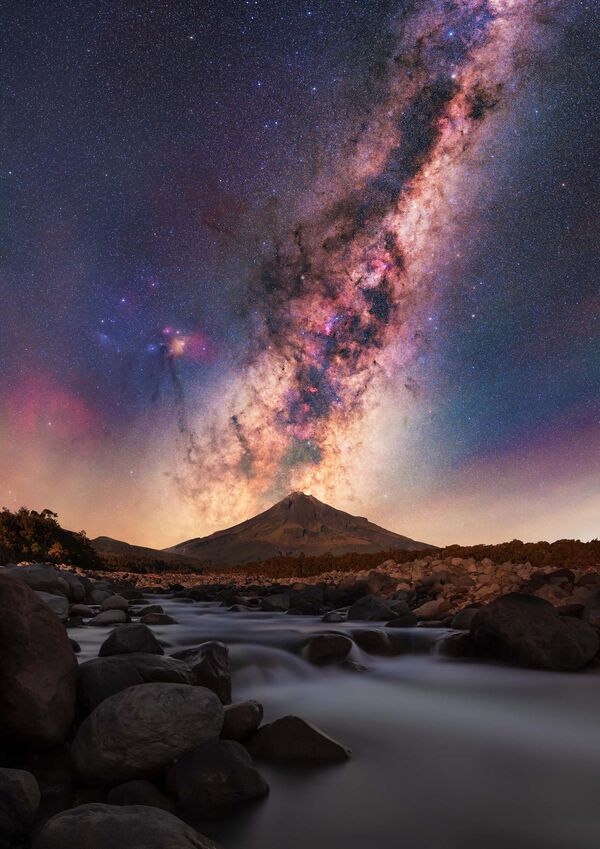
(323, 713)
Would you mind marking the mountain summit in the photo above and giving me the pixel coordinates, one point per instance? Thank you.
(298, 524)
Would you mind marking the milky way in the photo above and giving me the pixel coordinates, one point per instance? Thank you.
(338, 304)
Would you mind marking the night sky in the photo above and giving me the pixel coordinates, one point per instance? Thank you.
(345, 247)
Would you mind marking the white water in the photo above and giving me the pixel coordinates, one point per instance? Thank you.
(446, 754)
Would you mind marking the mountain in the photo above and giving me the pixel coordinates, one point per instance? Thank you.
(117, 552)
(298, 524)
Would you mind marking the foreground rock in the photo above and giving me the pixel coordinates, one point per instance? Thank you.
(328, 648)
(19, 801)
(210, 664)
(213, 778)
(140, 730)
(294, 740)
(38, 668)
(114, 827)
(528, 631)
(241, 720)
(132, 638)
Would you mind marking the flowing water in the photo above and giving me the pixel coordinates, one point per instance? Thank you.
(446, 754)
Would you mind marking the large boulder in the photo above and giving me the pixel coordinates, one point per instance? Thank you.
(293, 739)
(328, 648)
(370, 608)
(528, 631)
(99, 826)
(210, 664)
(141, 729)
(213, 778)
(241, 720)
(102, 677)
(19, 801)
(38, 668)
(41, 577)
(128, 639)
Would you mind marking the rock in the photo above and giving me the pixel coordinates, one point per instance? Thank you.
(102, 677)
(41, 577)
(400, 608)
(131, 638)
(19, 802)
(371, 609)
(278, 603)
(115, 602)
(241, 720)
(431, 609)
(97, 596)
(157, 619)
(141, 729)
(327, 648)
(150, 608)
(75, 646)
(381, 584)
(373, 641)
(307, 599)
(99, 826)
(81, 610)
(76, 592)
(591, 610)
(352, 666)
(528, 631)
(294, 740)
(109, 617)
(463, 620)
(213, 778)
(407, 621)
(38, 668)
(210, 663)
(140, 792)
(333, 616)
(58, 604)
(457, 646)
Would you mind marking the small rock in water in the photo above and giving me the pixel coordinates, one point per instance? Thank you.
(140, 792)
(135, 637)
(210, 663)
(19, 802)
(241, 720)
(150, 608)
(371, 609)
(115, 602)
(333, 616)
(294, 740)
(215, 777)
(157, 619)
(409, 620)
(98, 826)
(373, 641)
(328, 648)
(109, 617)
(81, 610)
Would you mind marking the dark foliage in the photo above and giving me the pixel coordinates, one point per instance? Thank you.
(29, 535)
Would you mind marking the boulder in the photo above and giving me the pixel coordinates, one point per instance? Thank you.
(210, 663)
(99, 826)
(241, 720)
(528, 631)
(115, 602)
(277, 603)
(463, 620)
(38, 668)
(97, 596)
(157, 619)
(58, 604)
(327, 648)
(431, 609)
(369, 608)
(133, 638)
(141, 729)
(150, 608)
(109, 617)
(213, 778)
(293, 740)
(41, 577)
(19, 802)
(140, 792)
(400, 608)
(591, 610)
(373, 641)
(409, 620)
(102, 677)
(81, 610)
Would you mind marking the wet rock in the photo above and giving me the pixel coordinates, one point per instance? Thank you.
(58, 604)
(307, 600)
(38, 668)
(370, 609)
(132, 638)
(75, 646)
(97, 596)
(373, 641)
(109, 617)
(292, 739)
(352, 666)
(157, 619)
(82, 610)
(591, 610)
(150, 608)
(241, 720)
(327, 648)
(213, 778)
(463, 620)
(400, 608)
(42, 577)
(333, 616)
(277, 603)
(409, 620)
(528, 631)
(115, 602)
(457, 646)
(98, 826)
(19, 802)
(210, 663)
(141, 729)
(140, 792)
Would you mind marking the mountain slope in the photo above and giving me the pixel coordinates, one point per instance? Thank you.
(298, 524)
(115, 550)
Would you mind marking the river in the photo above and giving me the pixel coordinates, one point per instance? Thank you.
(446, 754)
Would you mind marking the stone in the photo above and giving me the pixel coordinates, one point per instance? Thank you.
(210, 663)
(462, 620)
(19, 802)
(41, 577)
(150, 608)
(58, 604)
(97, 596)
(38, 668)
(82, 610)
(213, 778)
(99, 826)
(431, 609)
(528, 631)
(373, 641)
(157, 619)
(109, 617)
(140, 730)
(327, 648)
(277, 603)
(591, 610)
(291, 739)
(140, 792)
(371, 609)
(400, 608)
(133, 638)
(241, 720)
(115, 602)
(407, 621)
(333, 616)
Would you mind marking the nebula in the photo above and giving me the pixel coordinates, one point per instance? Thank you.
(339, 302)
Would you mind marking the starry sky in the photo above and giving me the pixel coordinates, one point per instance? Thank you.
(253, 246)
